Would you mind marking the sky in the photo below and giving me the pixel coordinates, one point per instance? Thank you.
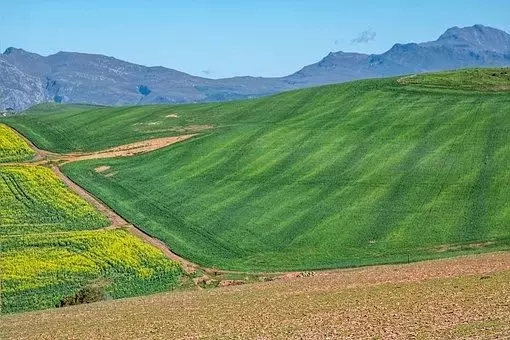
(225, 38)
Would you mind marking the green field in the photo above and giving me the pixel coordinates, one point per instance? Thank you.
(368, 172)
(68, 128)
(37, 271)
(12, 147)
(34, 200)
(478, 79)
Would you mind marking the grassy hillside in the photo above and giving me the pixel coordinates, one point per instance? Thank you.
(493, 79)
(66, 128)
(368, 172)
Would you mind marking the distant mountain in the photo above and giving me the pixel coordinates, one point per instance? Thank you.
(476, 46)
(28, 78)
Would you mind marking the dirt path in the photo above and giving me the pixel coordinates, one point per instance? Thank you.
(115, 219)
(125, 150)
(40, 154)
(44, 157)
(188, 266)
(448, 268)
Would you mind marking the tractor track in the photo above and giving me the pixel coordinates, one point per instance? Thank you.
(463, 265)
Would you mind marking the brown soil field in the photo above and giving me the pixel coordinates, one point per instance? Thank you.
(465, 297)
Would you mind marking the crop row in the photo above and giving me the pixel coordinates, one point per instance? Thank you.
(39, 270)
(49, 254)
(33, 199)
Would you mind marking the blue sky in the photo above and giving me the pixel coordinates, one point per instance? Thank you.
(226, 38)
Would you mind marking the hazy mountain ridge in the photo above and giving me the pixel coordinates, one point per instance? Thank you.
(28, 78)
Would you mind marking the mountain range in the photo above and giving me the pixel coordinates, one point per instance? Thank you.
(28, 78)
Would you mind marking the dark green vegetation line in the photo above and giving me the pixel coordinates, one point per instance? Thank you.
(368, 172)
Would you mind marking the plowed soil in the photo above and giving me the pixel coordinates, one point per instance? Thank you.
(465, 297)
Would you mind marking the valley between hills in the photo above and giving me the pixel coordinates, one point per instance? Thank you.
(406, 177)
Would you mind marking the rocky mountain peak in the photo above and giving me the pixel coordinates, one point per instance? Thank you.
(477, 37)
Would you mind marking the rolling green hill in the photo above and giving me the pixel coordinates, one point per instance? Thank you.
(368, 172)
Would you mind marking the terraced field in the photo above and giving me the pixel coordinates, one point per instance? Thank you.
(34, 200)
(52, 247)
(368, 172)
(39, 270)
(12, 147)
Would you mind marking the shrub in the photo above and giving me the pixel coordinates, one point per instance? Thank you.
(84, 295)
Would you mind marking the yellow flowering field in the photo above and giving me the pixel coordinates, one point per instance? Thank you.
(12, 147)
(34, 200)
(37, 271)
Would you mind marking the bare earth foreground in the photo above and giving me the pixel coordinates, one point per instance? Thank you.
(465, 297)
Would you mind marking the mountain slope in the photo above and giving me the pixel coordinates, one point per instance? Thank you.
(96, 79)
(28, 78)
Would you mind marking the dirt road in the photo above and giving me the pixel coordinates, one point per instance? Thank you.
(126, 150)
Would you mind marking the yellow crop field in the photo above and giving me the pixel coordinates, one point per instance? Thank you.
(33, 199)
(37, 271)
(49, 253)
(12, 147)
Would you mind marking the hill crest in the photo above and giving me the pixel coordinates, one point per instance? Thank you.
(28, 78)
